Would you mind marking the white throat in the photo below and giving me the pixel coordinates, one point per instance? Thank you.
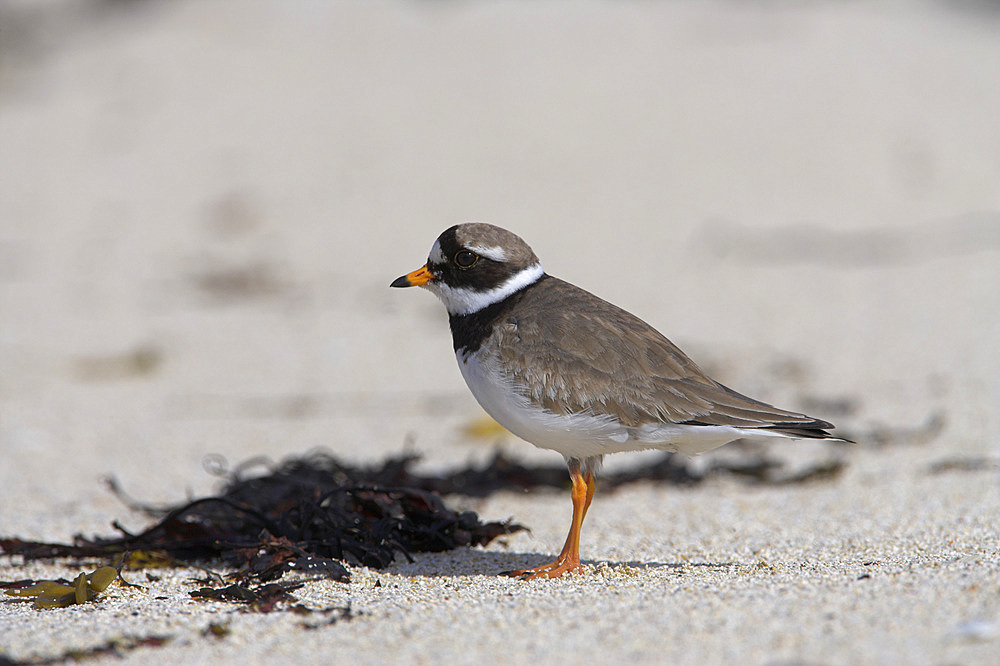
(462, 300)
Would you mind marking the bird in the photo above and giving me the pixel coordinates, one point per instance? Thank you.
(565, 370)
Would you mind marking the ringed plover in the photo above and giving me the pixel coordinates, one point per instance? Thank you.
(567, 371)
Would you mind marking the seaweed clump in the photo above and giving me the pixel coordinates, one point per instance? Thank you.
(311, 514)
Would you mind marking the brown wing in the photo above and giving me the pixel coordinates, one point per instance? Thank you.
(573, 352)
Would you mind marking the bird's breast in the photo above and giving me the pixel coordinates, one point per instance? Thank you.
(573, 435)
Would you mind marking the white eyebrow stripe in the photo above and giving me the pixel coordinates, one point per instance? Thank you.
(494, 252)
(436, 256)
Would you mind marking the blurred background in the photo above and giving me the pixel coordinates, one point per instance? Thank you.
(202, 205)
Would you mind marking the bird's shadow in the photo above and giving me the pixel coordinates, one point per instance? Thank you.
(472, 562)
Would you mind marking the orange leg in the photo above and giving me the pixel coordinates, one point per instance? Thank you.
(591, 489)
(569, 558)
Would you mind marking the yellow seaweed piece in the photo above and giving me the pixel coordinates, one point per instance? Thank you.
(81, 589)
(46, 587)
(484, 427)
(148, 559)
(53, 594)
(34, 589)
(100, 579)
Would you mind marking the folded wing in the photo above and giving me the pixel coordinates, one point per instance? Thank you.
(599, 358)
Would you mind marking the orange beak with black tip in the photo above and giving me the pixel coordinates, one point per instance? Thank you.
(417, 278)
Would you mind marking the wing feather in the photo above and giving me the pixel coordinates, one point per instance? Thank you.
(596, 357)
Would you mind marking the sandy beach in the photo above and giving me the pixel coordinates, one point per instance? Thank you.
(202, 206)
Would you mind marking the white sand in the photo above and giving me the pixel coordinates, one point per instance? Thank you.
(806, 200)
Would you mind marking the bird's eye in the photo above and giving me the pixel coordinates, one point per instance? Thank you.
(466, 259)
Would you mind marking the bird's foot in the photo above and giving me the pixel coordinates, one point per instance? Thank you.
(550, 570)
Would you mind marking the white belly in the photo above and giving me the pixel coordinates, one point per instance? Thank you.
(579, 435)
